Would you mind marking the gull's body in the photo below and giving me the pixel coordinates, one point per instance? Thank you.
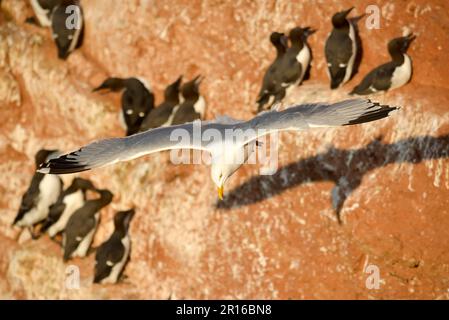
(222, 148)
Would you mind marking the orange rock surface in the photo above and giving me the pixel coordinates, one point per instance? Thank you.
(273, 237)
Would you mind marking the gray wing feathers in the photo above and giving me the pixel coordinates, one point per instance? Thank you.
(300, 117)
(109, 151)
(322, 115)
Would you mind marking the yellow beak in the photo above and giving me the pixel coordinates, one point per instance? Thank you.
(220, 191)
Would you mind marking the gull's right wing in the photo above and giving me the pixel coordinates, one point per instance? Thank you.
(109, 151)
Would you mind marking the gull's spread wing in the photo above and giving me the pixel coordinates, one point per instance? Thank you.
(191, 135)
(109, 151)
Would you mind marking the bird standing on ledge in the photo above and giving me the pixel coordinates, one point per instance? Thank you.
(391, 75)
(137, 101)
(341, 49)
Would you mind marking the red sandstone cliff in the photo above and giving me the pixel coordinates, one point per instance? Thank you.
(273, 236)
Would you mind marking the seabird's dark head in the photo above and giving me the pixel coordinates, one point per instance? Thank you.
(401, 44)
(172, 91)
(299, 35)
(339, 19)
(122, 220)
(105, 196)
(82, 184)
(42, 156)
(190, 90)
(279, 41)
(113, 84)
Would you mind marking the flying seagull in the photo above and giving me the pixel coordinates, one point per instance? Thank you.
(301, 117)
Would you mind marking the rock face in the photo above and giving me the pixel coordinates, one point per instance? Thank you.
(274, 237)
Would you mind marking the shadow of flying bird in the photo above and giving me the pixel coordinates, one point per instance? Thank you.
(345, 168)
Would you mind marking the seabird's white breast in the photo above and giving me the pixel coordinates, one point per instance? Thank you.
(303, 58)
(41, 14)
(200, 106)
(121, 119)
(402, 74)
(350, 65)
(73, 202)
(49, 189)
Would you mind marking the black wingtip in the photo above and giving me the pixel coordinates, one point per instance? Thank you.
(63, 165)
(380, 112)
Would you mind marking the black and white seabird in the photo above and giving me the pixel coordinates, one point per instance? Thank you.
(67, 26)
(272, 90)
(42, 11)
(137, 101)
(111, 256)
(68, 202)
(193, 107)
(163, 115)
(297, 59)
(43, 191)
(341, 49)
(80, 229)
(391, 75)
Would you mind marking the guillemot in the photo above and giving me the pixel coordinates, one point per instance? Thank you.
(43, 191)
(111, 256)
(164, 113)
(391, 75)
(341, 49)
(272, 90)
(67, 26)
(80, 229)
(193, 107)
(137, 100)
(68, 202)
(296, 60)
